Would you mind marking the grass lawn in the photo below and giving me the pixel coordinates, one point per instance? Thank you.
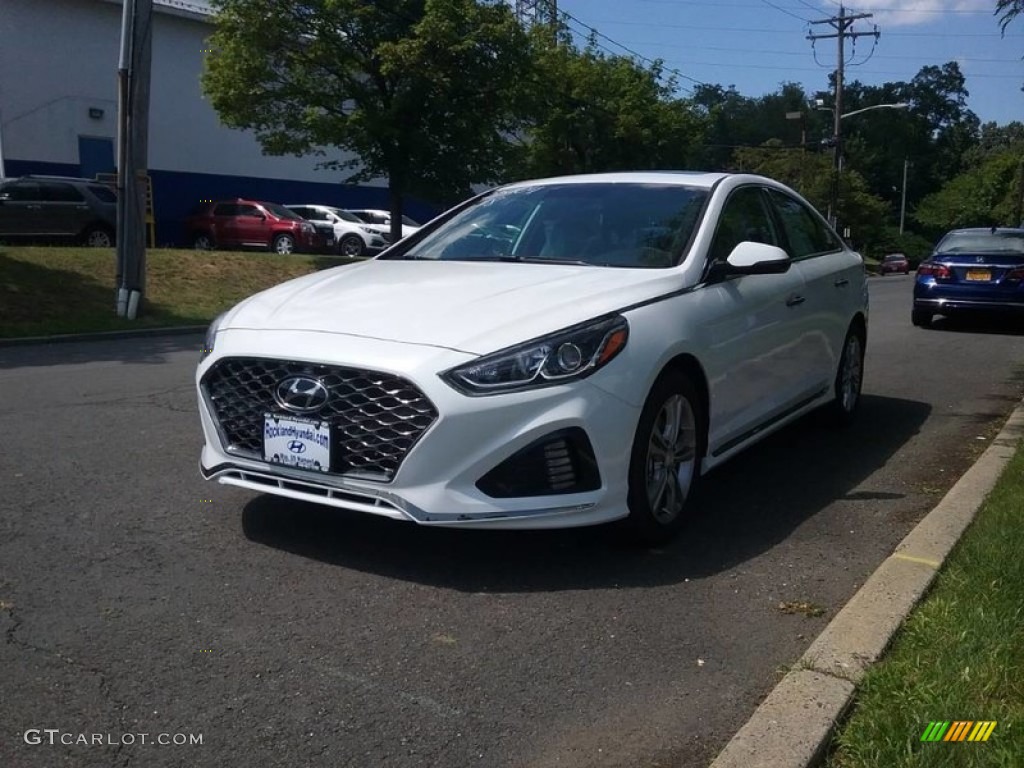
(959, 657)
(46, 291)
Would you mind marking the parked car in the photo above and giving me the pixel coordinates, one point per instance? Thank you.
(553, 353)
(243, 223)
(354, 237)
(971, 270)
(895, 263)
(381, 221)
(58, 208)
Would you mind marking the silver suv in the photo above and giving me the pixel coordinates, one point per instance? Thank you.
(44, 208)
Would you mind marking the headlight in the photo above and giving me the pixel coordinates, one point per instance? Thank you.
(367, 229)
(308, 228)
(211, 336)
(555, 359)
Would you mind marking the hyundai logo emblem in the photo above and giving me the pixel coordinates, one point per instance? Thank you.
(301, 394)
(297, 446)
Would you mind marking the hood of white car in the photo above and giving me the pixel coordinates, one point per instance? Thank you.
(470, 307)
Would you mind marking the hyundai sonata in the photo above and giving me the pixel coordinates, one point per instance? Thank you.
(552, 353)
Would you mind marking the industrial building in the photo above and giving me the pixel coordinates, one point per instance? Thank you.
(58, 112)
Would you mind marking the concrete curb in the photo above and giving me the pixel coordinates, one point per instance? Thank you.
(135, 333)
(794, 726)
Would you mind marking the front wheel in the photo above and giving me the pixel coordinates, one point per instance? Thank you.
(664, 464)
(202, 242)
(849, 379)
(283, 245)
(351, 246)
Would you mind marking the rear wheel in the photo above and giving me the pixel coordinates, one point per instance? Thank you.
(283, 244)
(98, 237)
(922, 318)
(665, 461)
(351, 246)
(849, 379)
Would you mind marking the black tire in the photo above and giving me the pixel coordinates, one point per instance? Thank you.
(283, 245)
(922, 318)
(203, 241)
(849, 380)
(352, 246)
(659, 499)
(98, 237)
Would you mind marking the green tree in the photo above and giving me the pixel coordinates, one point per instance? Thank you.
(594, 112)
(986, 195)
(422, 92)
(1008, 10)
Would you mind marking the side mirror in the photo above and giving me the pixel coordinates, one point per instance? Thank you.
(750, 258)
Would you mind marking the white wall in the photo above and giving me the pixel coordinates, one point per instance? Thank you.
(58, 58)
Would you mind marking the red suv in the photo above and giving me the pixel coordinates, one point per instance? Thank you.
(251, 224)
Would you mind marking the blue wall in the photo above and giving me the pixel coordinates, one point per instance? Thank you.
(176, 193)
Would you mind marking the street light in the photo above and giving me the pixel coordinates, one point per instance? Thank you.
(837, 147)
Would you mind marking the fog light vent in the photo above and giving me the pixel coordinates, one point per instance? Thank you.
(562, 462)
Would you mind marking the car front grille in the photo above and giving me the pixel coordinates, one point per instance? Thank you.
(375, 418)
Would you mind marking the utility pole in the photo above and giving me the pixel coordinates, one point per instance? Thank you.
(1018, 218)
(133, 76)
(537, 11)
(903, 194)
(841, 24)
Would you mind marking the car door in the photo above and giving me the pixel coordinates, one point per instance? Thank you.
(252, 225)
(64, 211)
(225, 228)
(750, 328)
(831, 279)
(21, 207)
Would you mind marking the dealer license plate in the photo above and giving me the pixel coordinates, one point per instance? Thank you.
(299, 443)
(979, 275)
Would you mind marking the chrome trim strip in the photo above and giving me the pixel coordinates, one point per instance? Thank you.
(377, 502)
(969, 304)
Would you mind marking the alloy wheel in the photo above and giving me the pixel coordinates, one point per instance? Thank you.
(671, 458)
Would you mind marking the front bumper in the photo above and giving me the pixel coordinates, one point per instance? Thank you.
(437, 480)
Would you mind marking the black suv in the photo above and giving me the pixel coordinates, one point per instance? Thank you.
(42, 208)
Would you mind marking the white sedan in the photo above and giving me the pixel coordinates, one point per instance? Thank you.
(552, 353)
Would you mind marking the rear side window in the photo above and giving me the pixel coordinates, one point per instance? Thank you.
(62, 193)
(225, 209)
(806, 233)
(103, 194)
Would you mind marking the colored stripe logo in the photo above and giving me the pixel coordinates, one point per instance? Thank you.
(958, 730)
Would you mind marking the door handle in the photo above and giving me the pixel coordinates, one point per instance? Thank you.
(841, 282)
(792, 301)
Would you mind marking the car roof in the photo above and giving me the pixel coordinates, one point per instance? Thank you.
(700, 179)
(41, 177)
(987, 231)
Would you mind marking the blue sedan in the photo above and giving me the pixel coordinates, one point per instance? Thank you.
(971, 270)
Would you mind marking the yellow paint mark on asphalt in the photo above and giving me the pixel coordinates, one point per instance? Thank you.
(912, 559)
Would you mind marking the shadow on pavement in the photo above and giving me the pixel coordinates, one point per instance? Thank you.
(141, 349)
(746, 507)
(1005, 325)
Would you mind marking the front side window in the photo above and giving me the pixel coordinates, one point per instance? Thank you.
(225, 209)
(745, 218)
(23, 192)
(599, 224)
(248, 210)
(103, 193)
(806, 233)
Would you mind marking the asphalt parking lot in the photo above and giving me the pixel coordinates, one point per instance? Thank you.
(137, 599)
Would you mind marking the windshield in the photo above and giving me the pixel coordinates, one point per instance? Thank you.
(982, 242)
(599, 224)
(410, 223)
(346, 216)
(281, 212)
(895, 257)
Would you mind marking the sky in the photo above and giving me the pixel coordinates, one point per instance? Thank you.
(756, 45)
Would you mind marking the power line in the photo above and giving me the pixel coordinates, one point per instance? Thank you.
(788, 13)
(629, 50)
